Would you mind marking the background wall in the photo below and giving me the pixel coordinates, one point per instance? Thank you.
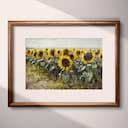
(63, 117)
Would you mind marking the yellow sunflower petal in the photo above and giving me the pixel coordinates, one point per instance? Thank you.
(58, 52)
(65, 63)
(88, 56)
(40, 54)
(28, 52)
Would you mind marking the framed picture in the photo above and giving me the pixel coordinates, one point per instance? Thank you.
(63, 63)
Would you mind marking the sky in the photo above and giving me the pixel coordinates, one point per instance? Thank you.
(63, 43)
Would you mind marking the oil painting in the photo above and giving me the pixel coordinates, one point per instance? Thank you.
(63, 63)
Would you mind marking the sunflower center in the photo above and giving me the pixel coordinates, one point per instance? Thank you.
(72, 56)
(65, 62)
(35, 54)
(58, 52)
(28, 51)
(78, 53)
(66, 52)
(40, 54)
(52, 52)
(88, 56)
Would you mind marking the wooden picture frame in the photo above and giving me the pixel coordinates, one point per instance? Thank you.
(11, 62)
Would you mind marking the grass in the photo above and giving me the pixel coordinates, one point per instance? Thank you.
(38, 78)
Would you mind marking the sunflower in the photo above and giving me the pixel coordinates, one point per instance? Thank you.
(71, 51)
(98, 52)
(65, 51)
(88, 56)
(28, 52)
(51, 53)
(72, 56)
(65, 63)
(45, 53)
(82, 50)
(46, 49)
(58, 52)
(101, 54)
(40, 54)
(77, 52)
(34, 53)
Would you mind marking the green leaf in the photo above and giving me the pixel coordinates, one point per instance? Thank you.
(94, 66)
(56, 60)
(89, 67)
(40, 60)
(87, 76)
(65, 78)
(71, 71)
(51, 60)
(42, 64)
(82, 68)
(36, 63)
(33, 62)
(30, 60)
(46, 66)
(52, 68)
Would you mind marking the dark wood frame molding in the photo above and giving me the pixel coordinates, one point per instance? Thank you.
(12, 24)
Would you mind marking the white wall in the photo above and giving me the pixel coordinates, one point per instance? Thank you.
(63, 117)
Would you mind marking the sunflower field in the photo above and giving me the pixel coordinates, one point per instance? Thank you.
(63, 68)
